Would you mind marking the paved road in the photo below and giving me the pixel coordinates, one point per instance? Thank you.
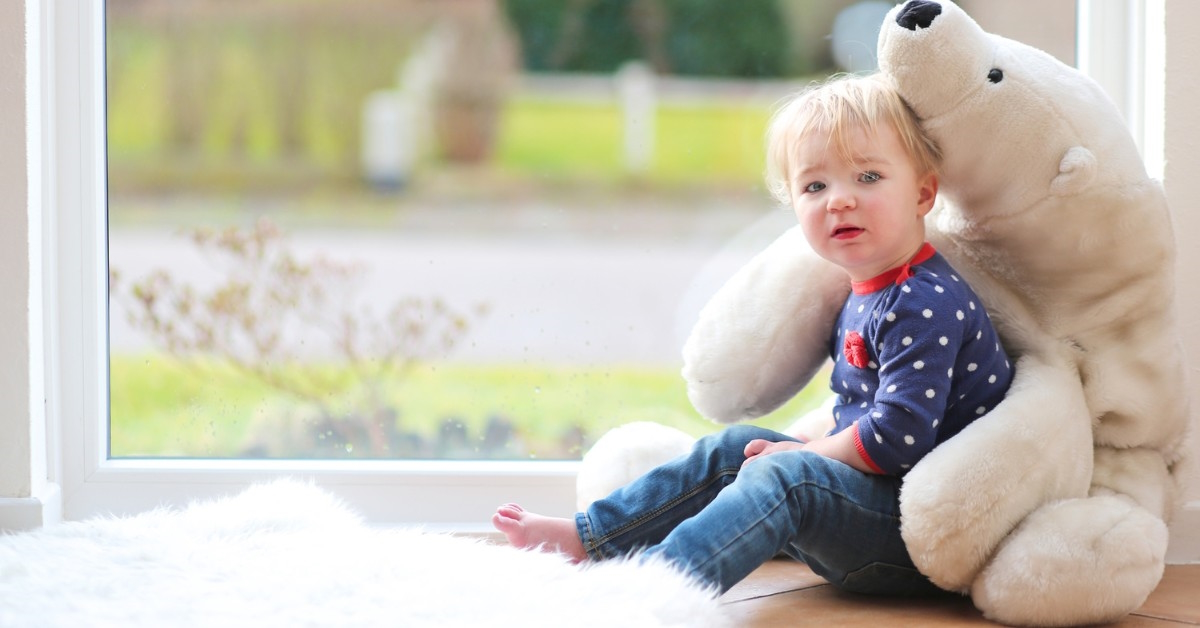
(621, 289)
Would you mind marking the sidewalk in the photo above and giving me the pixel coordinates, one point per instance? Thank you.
(595, 285)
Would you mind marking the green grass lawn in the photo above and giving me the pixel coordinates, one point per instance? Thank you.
(162, 407)
(710, 143)
(706, 145)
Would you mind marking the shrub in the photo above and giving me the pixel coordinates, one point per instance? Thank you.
(747, 38)
(271, 311)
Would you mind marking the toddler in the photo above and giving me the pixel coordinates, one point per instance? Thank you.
(916, 359)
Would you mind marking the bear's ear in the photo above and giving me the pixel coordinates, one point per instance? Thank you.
(1075, 172)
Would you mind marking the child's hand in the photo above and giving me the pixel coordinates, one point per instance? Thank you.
(759, 447)
(841, 447)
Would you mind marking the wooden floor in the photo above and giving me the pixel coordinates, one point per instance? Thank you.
(786, 593)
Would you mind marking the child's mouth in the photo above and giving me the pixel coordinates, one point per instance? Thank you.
(843, 233)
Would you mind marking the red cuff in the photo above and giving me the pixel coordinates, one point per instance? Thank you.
(862, 452)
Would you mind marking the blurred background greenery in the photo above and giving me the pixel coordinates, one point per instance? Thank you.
(260, 105)
(268, 94)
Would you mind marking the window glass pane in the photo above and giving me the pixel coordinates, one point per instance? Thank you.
(412, 229)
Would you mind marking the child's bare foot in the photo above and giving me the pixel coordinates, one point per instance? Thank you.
(529, 530)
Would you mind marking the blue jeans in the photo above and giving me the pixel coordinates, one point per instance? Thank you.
(719, 521)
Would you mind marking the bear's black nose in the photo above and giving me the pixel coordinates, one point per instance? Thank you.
(918, 13)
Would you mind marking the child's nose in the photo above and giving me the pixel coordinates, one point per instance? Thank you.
(840, 200)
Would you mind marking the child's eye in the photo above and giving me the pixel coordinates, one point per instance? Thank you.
(815, 186)
(870, 177)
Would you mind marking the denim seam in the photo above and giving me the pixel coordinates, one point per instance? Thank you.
(586, 535)
(596, 543)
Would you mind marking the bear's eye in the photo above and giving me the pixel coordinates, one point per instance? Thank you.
(996, 75)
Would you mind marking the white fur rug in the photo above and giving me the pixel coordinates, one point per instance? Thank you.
(288, 554)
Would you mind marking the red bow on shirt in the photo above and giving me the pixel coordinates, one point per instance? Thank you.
(855, 350)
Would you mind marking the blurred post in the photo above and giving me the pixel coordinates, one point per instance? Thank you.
(388, 142)
(418, 82)
(396, 123)
(635, 90)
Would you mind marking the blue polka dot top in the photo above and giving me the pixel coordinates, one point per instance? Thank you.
(916, 359)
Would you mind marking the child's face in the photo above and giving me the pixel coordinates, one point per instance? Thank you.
(867, 216)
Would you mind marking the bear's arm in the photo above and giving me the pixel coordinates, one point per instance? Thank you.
(765, 333)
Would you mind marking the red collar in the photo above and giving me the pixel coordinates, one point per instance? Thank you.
(895, 276)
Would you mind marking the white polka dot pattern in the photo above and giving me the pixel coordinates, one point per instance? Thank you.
(934, 365)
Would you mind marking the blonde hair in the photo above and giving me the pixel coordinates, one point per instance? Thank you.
(838, 107)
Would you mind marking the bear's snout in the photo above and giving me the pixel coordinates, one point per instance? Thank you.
(918, 13)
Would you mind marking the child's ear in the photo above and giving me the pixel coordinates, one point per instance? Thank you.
(926, 193)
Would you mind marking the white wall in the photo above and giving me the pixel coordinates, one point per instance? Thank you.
(1182, 156)
(1012, 19)
(27, 498)
(22, 453)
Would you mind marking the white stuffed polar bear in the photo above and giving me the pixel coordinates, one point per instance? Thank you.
(1051, 509)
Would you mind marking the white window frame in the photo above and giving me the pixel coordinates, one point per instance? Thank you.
(1117, 48)
(458, 495)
